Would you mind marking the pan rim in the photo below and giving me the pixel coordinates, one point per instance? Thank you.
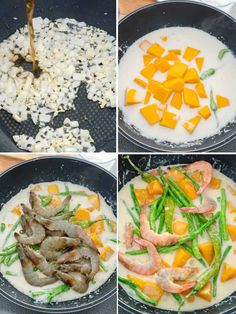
(74, 308)
(154, 146)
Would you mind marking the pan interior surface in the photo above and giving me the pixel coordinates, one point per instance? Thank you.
(223, 163)
(170, 14)
(48, 169)
(100, 122)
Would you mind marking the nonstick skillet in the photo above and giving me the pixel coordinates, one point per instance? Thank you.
(100, 122)
(63, 169)
(177, 13)
(225, 164)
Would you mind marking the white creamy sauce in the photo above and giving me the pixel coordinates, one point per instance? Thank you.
(222, 83)
(7, 217)
(224, 289)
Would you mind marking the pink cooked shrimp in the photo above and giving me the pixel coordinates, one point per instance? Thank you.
(208, 206)
(166, 276)
(206, 170)
(149, 268)
(165, 238)
(128, 235)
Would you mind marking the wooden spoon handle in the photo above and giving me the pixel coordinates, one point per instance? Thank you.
(128, 6)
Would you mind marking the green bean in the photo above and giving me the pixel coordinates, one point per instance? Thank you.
(135, 220)
(178, 298)
(223, 227)
(136, 231)
(93, 281)
(8, 252)
(13, 260)
(206, 276)
(189, 249)
(222, 52)
(45, 200)
(9, 247)
(2, 259)
(114, 240)
(207, 73)
(75, 208)
(65, 210)
(146, 176)
(134, 198)
(57, 291)
(102, 266)
(169, 213)
(184, 198)
(16, 224)
(72, 193)
(152, 220)
(226, 252)
(6, 260)
(10, 273)
(138, 293)
(162, 201)
(161, 222)
(3, 227)
(187, 175)
(88, 223)
(175, 198)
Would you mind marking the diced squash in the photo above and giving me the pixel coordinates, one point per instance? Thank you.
(143, 196)
(232, 231)
(175, 175)
(81, 214)
(221, 101)
(147, 97)
(150, 113)
(53, 189)
(148, 287)
(163, 66)
(56, 201)
(177, 100)
(9, 225)
(232, 190)
(215, 183)
(180, 227)
(132, 97)
(205, 112)
(97, 227)
(200, 89)
(16, 210)
(171, 56)
(144, 45)
(181, 257)
(160, 92)
(191, 98)
(148, 71)
(191, 76)
(190, 53)
(176, 85)
(113, 225)
(190, 299)
(106, 253)
(206, 292)
(164, 38)
(169, 120)
(207, 251)
(228, 272)
(140, 82)
(156, 50)
(147, 59)
(197, 176)
(155, 187)
(231, 207)
(188, 188)
(164, 263)
(175, 51)
(199, 63)
(177, 70)
(94, 200)
(96, 240)
(191, 124)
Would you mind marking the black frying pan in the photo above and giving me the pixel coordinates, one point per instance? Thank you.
(100, 122)
(64, 169)
(224, 163)
(177, 13)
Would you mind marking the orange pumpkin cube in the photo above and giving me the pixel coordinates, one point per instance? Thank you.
(169, 120)
(155, 187)
(199, 63)
(53, 189)
(191, 98)
(156, 50)
(200, 89)
(150, 114)
(81, 214)
(190, 53)
(132, 97)
(140, 82)
(94, 200)
(215, 183)
(106, 253)
(191, 76)
(177, 101)
(147, 59)
(180, 227)
(221, 101)
(191, 124)
(205, 112)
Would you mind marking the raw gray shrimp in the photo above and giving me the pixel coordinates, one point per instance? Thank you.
(39, 261)
(30, 275)
(72, 230)
(46, 211)
(82, 266)
(53, 247)
(37, 230)
(77, 282)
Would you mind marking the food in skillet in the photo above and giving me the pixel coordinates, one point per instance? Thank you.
(172, 85)
(66, 54)
(177, 231)
(58, 241)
